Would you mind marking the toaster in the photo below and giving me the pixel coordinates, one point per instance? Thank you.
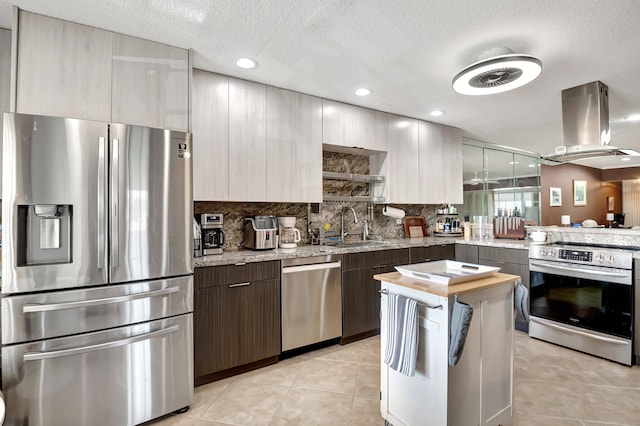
(260, 233)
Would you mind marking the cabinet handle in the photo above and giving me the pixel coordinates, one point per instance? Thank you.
(239, 285)
(240, 263)
(378, 266)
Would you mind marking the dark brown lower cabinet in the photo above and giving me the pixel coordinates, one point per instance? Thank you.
(236, 319)
(360, 296)
(510, 261)
(431, 253)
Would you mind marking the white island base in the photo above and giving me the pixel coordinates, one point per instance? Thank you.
(476, 391)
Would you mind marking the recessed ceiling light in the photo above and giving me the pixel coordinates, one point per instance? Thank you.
(436, 113)
(498, 70)
(246, 63)
(532, 165)
(403, 124)
(514, 162)
(633, 117)
(363, 92)
(625, 159)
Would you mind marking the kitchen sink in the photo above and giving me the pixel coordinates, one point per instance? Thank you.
(357, 244)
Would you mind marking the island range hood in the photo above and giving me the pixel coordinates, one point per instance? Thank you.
(585, 123)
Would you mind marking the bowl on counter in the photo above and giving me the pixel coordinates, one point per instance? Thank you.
(538, 236)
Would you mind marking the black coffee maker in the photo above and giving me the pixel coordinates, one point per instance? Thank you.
(212, 233)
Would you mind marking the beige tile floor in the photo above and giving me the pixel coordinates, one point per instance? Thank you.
(339, 385)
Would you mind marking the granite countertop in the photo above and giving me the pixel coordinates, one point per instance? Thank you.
(446, 290)
(246, 256)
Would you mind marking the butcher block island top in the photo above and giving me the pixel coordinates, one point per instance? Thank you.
(446, 290)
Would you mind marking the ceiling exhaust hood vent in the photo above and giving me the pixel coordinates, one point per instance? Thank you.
(585, 123)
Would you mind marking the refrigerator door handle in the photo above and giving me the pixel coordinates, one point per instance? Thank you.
(101, 202)
(35, 307)
(115, 170)
(37, 356)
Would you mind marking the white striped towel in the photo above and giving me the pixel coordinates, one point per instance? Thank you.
(402, 334)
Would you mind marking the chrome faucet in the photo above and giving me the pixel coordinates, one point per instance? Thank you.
(355, 220)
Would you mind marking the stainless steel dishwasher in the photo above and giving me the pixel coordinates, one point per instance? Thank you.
(311, 300)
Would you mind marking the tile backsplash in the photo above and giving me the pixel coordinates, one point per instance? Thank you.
(328, 217)
(325, 215)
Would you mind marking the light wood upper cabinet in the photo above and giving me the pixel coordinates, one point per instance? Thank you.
(64, 69)
(210, 125)
(150, 84)
(308, 137)
(294, 146)
(354, 127)
(404, 162)
(71, 70)
(247, 141)
(440, 151)
(5, 70)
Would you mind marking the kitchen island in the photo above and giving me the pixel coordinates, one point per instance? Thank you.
(479, 388)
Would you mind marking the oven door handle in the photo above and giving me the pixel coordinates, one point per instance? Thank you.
(581, 333)
(586, 271)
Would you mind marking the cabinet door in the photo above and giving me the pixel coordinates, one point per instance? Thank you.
(403, 160)
(5, 71)
(150, 84)
(440, 163)
(64, 69)
(247, 141)
(5, 80)
(466, 253)
(354, 127)
(235, 325)
(294, 146)
(360, 302)
(308, 139)
(210, 136)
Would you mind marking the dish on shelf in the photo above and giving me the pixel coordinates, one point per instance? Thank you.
(447, 272)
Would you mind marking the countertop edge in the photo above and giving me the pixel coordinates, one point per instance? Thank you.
(249, 256)
(447, 290)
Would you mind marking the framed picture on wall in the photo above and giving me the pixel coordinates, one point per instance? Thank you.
(610, 203)
(555, 197)
(579, 192)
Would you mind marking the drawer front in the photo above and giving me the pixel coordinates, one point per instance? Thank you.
(519, 256)
(103, 378)
(427, 254)
(375, 259)
(494, 254)
(214, 276)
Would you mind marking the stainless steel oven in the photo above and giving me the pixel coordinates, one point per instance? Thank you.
(582, 298)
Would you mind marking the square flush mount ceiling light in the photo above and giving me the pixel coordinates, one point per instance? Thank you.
(498, 70)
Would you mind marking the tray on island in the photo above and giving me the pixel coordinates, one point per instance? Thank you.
(447, 272)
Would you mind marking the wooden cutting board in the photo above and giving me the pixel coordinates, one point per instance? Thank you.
(414, 227)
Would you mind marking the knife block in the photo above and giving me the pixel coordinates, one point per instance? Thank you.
(509, 227)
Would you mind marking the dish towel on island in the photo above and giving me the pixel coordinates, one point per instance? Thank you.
(402, 334)
(521, 301)
(461, 314)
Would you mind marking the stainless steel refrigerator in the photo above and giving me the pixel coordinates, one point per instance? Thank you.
(97, 284)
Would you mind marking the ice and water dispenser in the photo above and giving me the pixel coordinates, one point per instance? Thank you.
(44, 234)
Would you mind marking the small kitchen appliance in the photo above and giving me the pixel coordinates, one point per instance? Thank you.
(289, 235)
(212, 234)
(259, 233)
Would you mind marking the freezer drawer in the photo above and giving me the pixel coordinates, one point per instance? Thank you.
(122, 376)
(45, 315)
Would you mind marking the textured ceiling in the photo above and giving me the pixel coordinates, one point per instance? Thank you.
(405, 51)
